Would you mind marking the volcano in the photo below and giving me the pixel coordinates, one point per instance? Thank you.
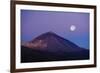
(51, 47)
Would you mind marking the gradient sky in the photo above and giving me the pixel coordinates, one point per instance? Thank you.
(35, 22)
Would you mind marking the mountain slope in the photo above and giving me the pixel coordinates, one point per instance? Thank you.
(51, 47)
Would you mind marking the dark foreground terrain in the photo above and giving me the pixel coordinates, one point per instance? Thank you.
(30, 55)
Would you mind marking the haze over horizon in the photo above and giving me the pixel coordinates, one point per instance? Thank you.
(35, 23)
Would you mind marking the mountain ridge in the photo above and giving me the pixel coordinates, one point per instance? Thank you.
(52, 47)
(51, 40)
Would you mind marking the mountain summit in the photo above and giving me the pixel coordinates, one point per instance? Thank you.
(52, 42)
(53, 46)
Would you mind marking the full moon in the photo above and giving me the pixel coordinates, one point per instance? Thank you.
(72, 28)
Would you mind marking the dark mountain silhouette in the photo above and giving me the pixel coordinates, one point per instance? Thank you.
(51, 47)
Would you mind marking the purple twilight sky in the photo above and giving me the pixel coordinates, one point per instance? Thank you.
(35, 22)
